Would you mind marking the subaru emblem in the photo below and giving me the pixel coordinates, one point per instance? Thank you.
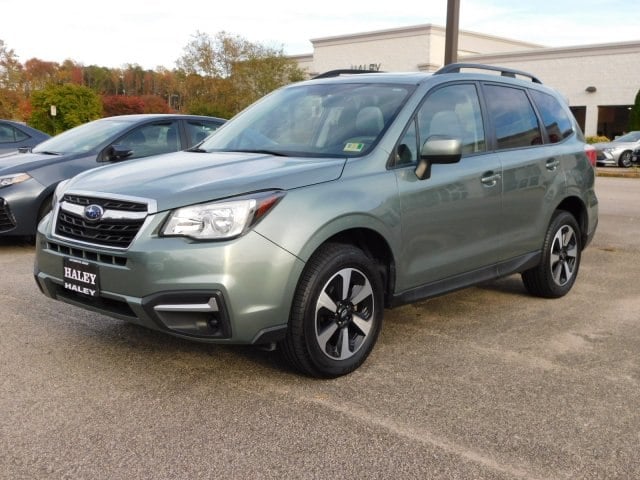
(93, 212)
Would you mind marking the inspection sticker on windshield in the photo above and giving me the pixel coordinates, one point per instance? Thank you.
(81, 277)
(353, 147)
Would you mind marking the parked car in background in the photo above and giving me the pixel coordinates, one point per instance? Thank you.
(15, 135)
(635, 157)
(619, 151)
(27, 180)
(326, 202)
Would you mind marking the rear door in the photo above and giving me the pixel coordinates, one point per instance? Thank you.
(531, 164)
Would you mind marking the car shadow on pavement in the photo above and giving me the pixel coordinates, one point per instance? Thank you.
(17, 242)
(512, 285)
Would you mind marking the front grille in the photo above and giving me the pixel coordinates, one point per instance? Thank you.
(6, 219)
(117, 228)
(107, 204)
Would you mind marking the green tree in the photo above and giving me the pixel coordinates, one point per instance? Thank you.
(226, 73)
(634, 114)
(100, 80)
(75, 105)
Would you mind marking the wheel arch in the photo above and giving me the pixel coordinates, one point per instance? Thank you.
(375, 247)
(576, 207)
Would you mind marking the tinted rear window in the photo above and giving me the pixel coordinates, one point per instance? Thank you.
(513, 117)
(555, 118)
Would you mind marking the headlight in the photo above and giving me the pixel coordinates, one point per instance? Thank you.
(14, 178)
(220, 220)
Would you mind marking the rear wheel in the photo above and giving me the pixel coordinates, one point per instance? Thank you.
(561, 253)
(625, 159)
(336, 314)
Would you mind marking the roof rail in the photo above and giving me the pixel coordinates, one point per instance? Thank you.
(505, 72)
(344, 71)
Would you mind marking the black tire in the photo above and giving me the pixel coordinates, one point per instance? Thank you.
(336, 313)
(625, 159)
(561, 253)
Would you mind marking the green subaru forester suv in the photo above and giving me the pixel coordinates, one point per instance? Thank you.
(327, 201)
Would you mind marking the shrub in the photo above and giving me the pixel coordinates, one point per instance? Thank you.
(597, 139)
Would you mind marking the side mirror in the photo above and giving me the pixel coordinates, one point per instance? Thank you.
(115, 153)
(438, 149)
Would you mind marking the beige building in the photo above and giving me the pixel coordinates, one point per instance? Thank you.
(600, 81)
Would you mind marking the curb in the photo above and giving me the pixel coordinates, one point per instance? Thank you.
(633, 172)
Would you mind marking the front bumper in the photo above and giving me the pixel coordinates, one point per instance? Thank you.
(605, 159)
(238, 291)
(19, 207)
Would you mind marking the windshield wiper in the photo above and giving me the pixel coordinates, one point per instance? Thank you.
(47, 152)
(197, 150)
(265, 151)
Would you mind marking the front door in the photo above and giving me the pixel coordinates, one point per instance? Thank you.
(450, 221)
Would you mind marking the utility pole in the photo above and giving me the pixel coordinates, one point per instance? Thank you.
(451, 34)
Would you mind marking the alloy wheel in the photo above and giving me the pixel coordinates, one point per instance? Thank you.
(344, 314)
(564, 255)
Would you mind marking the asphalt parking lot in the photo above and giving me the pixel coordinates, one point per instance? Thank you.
(485, 383)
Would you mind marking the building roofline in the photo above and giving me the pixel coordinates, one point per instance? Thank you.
(559, 52)
(301, 57)
(410, 31)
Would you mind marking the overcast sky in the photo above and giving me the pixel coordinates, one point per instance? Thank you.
(153, 33)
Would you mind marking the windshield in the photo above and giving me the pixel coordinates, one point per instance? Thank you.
(320, 120)
(83, 138)
(629, 137)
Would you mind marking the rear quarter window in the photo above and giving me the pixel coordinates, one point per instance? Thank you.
(513, 118)
(555, 118)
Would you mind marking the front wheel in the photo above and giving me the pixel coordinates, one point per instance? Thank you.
(625, 159)
(561, 253)
(336, 314)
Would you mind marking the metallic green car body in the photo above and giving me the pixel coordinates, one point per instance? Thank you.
(462, 225)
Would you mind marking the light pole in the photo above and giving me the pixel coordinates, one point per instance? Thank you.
(451, 34)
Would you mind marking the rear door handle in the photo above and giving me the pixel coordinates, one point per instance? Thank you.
(552, 164)
(490, 179)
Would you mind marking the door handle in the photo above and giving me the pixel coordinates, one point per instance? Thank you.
(490, 179)
(552, 164)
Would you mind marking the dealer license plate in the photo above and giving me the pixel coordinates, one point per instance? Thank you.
(81, 277)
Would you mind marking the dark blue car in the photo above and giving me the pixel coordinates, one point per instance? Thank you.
(14, 136)
(27, 180)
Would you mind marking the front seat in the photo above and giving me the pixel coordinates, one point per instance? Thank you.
(369, 122)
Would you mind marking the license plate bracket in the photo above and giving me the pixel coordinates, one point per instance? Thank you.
(81, 277)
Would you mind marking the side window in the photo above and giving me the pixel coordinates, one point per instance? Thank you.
(555, 118)
(453, 111)
(407, 149)
(513, 117)
(198, 130)
(6, 134)
(20, 135)
(152, 139)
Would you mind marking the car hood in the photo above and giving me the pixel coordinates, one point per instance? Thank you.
(184, 178)
(26, 162)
